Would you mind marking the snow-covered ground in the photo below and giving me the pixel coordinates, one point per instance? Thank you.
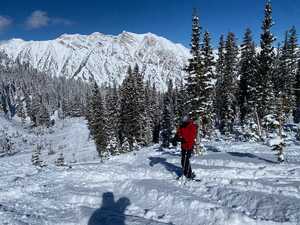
(239, 183)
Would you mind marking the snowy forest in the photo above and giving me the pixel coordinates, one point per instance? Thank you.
(244, 92)
(247, 92)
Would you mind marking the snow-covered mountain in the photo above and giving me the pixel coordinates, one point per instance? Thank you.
(103, 57)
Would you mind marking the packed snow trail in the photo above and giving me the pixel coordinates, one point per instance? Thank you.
(240, 183)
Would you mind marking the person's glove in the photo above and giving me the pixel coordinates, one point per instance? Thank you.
(174, 141)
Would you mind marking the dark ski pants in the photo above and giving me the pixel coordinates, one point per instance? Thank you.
(185, 163)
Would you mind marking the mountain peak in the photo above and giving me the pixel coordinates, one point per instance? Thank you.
(104, 58)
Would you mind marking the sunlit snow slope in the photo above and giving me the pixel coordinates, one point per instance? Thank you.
(240, 183)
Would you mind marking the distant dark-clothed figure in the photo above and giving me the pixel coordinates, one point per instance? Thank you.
(186, 134)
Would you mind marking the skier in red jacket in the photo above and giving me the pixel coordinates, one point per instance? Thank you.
(186, 133)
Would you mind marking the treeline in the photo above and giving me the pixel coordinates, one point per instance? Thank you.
(251, 86)
(245, 91)
(123, 118)
(28, 93)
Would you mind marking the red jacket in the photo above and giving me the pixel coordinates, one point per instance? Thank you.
(187, 133)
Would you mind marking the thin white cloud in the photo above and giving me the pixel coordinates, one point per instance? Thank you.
(62, 21)
(5, 22)
(39, 19)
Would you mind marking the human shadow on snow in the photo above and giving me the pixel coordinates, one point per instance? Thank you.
(169, 166)
(111, 212)
(249, 155)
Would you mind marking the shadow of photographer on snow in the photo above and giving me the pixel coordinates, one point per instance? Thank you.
(111, 212)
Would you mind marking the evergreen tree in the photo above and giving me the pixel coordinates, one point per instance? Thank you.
(277, 73)
(130, 119)
(60, 160)
(97, 121)
(142, 121)
(289, 102)
(36, 154)
(208, 83)
(113, 115)
(33, 107)
(76, 109)
(6, 144)
(149, 113)
(229, 87)
(89, 112)
(218, 102)
(21, 110)
(247, 86)
(43, 115)
(297, 94)
(282, 82)
(264, 84)
(167, 117)
(182, 97)
(195, 72)
(155, 113)
(199, 82)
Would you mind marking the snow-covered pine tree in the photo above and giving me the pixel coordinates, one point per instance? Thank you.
(195, 72)
(66, 106)
(286, 75)
(277, 141)
(43, 115)
(167, 117)
(175, 104)
(89, 109)
(297, 94)
(50, 148)
(218, 102)
(21, 110)
(36, 156)
(247, 71)
(292, 58)
(155, 114)
(34, 107)
(6, 143)
(98, 122)
(113, 116)
(277, 66)
(197, 82)
(149, 113)
(130, 120)
(3, 142)
(60, 161)
(209, 81)
(125, 147)
(142, 122)
(264, 84)
(113, 146)
(229, 85)
(76, 107)
(181, 102)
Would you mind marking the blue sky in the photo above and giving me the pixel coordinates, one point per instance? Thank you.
(48, 19)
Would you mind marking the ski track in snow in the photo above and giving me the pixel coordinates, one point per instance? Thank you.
(240, 183)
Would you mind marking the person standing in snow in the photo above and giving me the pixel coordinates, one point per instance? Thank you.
(186, 134)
